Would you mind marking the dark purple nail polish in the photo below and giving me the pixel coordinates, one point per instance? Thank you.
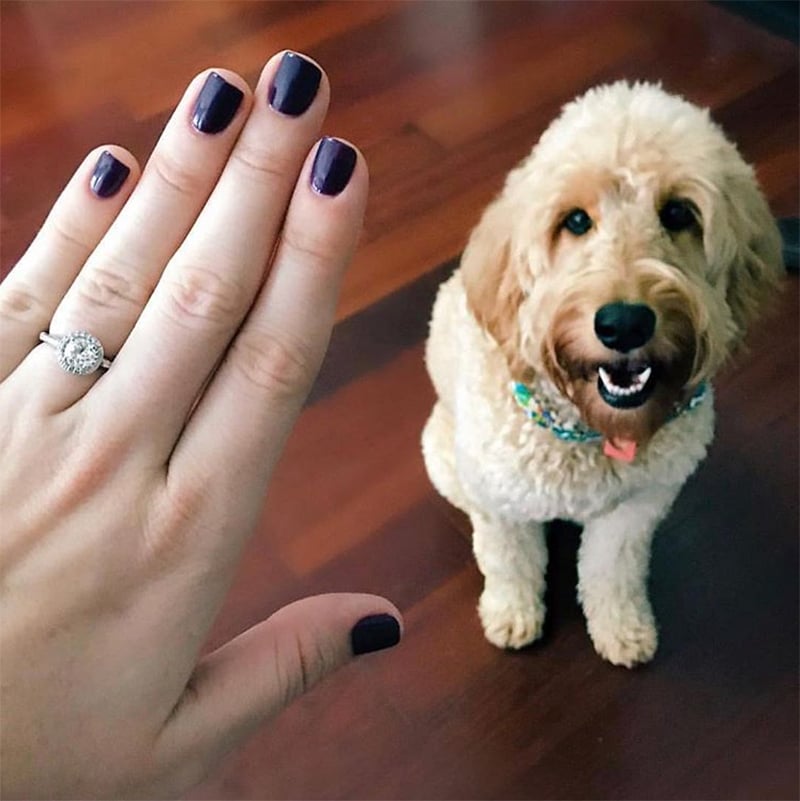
(108, 176)
(374, 633)
(333, 166)
(216, 105)
(295, 85)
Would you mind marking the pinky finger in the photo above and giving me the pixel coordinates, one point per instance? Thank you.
(77, 222)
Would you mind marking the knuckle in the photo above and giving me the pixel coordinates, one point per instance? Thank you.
(69, 234)
(299, 665)
(262, 165)
(110, 288)
(176, 513)
(199, 296)
(88, 467)
(310, 249)
(180, 178)
(295, 679)
(21, 304)
(274, 363)
(185, 502)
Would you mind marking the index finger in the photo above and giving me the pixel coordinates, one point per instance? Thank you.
(250, 406)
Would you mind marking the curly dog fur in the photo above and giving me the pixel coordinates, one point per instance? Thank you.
(633, 199)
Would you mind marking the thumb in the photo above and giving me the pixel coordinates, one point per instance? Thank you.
(258, 673)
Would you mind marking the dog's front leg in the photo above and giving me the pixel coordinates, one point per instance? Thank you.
(513, 559)
(613, 564)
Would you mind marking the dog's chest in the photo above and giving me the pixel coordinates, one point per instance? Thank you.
(510, 466)
(523, 472)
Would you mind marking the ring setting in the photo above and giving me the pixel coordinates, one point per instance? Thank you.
(78, 353)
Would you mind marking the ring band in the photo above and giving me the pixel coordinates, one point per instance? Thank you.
(78, 353)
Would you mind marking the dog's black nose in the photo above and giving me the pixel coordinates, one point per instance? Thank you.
(624, 326)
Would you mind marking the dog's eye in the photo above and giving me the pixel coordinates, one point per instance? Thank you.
(676, 215)
(577, 222)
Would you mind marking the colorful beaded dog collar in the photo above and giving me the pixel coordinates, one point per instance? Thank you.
(535, 409)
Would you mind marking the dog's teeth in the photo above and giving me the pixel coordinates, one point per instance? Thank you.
(636, 385)
(644, 376)
(639, 383)
(607, 382)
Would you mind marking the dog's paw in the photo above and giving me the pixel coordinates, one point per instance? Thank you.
(625, 636)
(510, 624)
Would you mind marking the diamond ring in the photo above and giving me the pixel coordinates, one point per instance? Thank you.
(78, 353)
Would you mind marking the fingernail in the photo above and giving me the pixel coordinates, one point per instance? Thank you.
(374, 633)
(333, 166)
(216, 105)
(108, 176)
(295, 85)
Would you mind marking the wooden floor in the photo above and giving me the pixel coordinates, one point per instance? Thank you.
(444, 98)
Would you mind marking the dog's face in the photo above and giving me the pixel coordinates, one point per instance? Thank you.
(625, 257)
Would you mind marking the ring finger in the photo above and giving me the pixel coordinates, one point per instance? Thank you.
(77, 222)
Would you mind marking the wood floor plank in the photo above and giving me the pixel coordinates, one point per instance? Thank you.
(397, 258)
(374, 447)
(493, 101)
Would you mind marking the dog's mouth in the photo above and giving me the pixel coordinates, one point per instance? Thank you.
(626, 385)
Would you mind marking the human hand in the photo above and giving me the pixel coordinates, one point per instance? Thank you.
(128, 494)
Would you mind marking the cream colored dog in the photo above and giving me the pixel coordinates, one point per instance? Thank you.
(570, 352)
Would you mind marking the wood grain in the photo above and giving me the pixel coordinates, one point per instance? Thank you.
(444, 98)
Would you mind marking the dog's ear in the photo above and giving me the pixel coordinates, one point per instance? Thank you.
(742, 236)
(491, 281)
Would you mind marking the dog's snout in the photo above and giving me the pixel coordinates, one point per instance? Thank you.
(624, 326)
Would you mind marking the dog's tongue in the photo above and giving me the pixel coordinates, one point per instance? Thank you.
(622, 449)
